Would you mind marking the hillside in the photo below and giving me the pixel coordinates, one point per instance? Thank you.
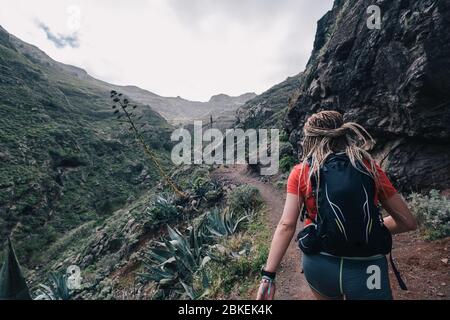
(64, 159)
(268, 109)
(76, 188)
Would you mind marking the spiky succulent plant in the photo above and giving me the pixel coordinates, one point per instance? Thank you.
(56, 290)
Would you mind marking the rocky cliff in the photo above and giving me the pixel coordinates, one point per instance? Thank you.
(395, 81)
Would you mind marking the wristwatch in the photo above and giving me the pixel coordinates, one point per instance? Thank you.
(270, 275)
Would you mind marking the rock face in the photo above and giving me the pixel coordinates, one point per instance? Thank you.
(394, 81)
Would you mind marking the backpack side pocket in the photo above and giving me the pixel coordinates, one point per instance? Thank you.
(308, 240)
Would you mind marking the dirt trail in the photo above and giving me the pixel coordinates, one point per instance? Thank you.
(291, 284)
(424, 265)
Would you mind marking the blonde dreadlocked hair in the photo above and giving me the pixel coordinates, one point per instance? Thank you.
(326, 133)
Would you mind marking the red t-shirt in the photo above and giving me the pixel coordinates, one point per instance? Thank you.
(299, 184)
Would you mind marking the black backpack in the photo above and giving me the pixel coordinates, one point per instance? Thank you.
(348, 223)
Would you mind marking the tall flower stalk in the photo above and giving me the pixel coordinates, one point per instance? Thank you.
(124, 104)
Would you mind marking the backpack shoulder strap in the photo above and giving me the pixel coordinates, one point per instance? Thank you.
(305, 213)
(313, 180)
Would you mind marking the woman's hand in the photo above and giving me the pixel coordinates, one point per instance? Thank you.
(266, 290)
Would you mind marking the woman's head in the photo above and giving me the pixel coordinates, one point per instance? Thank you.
(326, 133)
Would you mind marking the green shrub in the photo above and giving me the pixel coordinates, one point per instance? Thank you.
(284, 137)
(245, 198)
(200, 186)
(215, 191)
(433, 213)
(186, 175)
(287, 163)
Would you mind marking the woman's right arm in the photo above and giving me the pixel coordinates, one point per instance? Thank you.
(285, 232)
(280, 243)
(400, 218)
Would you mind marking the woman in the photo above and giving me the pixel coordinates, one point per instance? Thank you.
(345, 243)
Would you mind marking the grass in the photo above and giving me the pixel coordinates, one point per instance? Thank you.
(67, 244)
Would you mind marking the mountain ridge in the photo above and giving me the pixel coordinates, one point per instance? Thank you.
(174, 109)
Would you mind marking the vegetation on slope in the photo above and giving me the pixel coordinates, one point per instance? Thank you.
(64, 162)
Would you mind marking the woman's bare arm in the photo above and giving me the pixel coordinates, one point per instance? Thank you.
(401, 219)
(284, 232)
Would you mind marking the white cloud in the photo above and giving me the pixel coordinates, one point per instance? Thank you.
(59, 40)
(191, 48)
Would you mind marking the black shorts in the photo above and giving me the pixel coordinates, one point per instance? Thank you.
(350, 278)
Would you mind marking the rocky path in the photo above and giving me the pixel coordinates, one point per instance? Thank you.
(424, 265)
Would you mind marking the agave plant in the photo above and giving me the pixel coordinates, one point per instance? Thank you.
(173, 263)
(200, 186)
(223, 224)
(191, 292)
(215, 191)
(206, 188)
(162, 211)
(56, 290)
(13, 285)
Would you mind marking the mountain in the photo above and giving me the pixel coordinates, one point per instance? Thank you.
(65, 160)
(180, 111)
(175, 110)
(224, 108)
(394, 81)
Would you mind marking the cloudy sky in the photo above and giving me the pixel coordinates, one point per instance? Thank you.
(188, 48)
